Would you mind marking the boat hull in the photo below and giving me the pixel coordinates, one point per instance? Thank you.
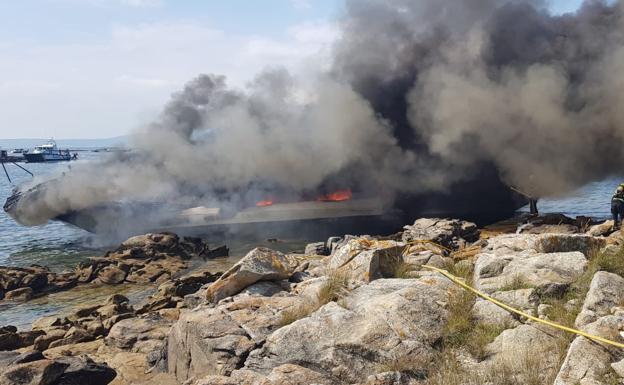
(483, 200)
(41, 158)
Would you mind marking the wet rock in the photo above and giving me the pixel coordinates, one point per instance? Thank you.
(171, 293)
(83, 370)
(43, 342)
(143, 259)
(28, 338)
(46, 323)
(116, 299)
(73, 336)
(451, 233)
(83, 311)
(158, 303)
(8, 358)
(260, 264)
(10, 339)
(108, 311)
(21, 294)
(110, 322)
(42, 372)
(111, 275)
(36, 281)
(33, 277)
(95, 327)
(85, 272)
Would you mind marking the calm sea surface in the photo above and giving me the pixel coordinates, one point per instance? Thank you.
(60, 246)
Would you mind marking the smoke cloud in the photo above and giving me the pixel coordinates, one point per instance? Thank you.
(419, 97)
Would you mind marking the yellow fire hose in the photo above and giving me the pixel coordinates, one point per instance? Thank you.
(519, 312)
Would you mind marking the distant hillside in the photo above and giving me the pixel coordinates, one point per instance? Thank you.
(65, 143)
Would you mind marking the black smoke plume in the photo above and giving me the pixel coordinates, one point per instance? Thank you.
(421, 96)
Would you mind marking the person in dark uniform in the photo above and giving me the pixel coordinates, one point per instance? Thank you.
(617, 206)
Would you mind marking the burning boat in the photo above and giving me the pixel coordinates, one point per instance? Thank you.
(337, 211)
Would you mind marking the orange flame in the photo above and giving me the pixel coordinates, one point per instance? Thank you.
(264, 203)
(337, 196)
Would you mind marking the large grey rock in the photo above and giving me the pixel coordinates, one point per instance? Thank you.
(450, 233)
(260, 264)
(126, 333)
(367, 260)
(587, 362)
(282, 375)
(216, 340)
(523, 299)
(494, 272)
(561, 243)
(21, 294)
(545, 243)
(385, 321)
(486, 312)
(534, 338)
(605, 291)
(551, 229)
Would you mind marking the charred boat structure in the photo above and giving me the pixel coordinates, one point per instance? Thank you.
(484, 200)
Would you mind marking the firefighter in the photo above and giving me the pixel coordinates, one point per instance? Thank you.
(617, 206)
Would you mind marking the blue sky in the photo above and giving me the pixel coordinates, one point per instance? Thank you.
(100, 68)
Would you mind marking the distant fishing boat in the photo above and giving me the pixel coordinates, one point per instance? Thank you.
(48, 152)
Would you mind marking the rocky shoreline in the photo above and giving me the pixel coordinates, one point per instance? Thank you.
(352, 310)
(145, 259)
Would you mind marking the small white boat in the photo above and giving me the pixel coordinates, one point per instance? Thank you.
(48, 152)
(17, 153)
